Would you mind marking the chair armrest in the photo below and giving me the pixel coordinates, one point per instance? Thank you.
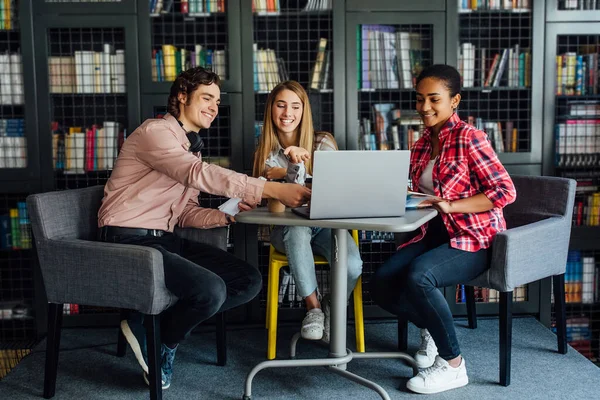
(104, 274)
(216, 236)
(528, 253)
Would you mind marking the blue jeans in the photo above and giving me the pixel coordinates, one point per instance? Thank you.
(408, 284)
(206, 280)
(299, 243)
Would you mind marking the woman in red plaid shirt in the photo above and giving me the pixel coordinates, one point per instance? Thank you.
(454, 161)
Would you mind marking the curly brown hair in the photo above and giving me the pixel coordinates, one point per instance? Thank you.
(187, 82)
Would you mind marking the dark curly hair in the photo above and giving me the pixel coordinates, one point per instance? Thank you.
(445, 73)
(187, 82)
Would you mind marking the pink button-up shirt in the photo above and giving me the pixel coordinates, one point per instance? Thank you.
(156, 181)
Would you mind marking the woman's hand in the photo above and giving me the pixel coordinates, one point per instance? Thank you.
(444, 207)
(275, 173)
(297, 154)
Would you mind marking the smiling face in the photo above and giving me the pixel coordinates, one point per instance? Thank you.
(201, 108)
(435, 103)
(286, 112)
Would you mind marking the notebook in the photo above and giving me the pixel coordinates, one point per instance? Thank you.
(358, 184)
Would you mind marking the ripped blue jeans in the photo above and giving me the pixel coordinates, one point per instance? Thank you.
(299, 243)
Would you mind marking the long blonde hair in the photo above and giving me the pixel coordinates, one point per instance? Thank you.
(269, 142)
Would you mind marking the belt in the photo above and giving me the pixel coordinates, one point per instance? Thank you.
(109, 231)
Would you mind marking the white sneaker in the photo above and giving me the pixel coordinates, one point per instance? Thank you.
(439, 377)
(313, 325)
(427, 352)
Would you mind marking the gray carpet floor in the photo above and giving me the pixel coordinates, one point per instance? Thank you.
(88, 368)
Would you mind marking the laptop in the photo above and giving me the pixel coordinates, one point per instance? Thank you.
(358, 184)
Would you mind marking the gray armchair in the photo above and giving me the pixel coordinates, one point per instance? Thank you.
(533, 247)
(77, 269)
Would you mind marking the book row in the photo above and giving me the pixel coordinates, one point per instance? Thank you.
(577, 73)
(88, 71)
(388, 58)
(11, 79)
(510, 67)
(273, 7)
(79, 150)
(577, 143)
(15, 228)
(478, 5)
(191, 7)
(169, 61)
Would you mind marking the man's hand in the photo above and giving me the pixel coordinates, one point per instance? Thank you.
(245, 206)
(275, 173)
(290, 194)
(297, 154)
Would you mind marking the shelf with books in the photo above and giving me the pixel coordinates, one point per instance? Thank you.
(582, 296)
(87, 100)
(296, 45)
(18, 161)
(573, 10)
(384, 54)
(572, 106)
(495, 58)
(16, 274)
(185, 34)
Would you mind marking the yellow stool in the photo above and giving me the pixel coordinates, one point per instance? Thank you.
(277, 261)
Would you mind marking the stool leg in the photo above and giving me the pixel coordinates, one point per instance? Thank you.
(359, 325)
(272, 314)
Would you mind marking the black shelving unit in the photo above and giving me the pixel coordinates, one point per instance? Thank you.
(572, 101)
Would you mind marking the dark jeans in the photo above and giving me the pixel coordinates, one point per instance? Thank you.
(206, 280)
(408, 283)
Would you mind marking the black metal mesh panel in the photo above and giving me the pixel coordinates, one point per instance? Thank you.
(389, 58)
(13, 145)
(88, 104)
(582, 292)
(495, 63)
(188, 34)
(577, 122)
(577, 155)
(16, 290)
(293, 42)
(572, 5)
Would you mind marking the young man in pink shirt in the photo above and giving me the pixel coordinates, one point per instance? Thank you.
(155, 185)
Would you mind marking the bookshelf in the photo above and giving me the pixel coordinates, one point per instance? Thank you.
(88, 102)
(572, 107)
(572, 10)
(385, 52)
(496, 50)
(19, 176)
(83, 7)
(196, 32)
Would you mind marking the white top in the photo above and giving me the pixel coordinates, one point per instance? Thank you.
(426, 180)
(296, 173)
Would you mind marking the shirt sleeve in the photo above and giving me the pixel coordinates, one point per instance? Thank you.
(495, 182)
(159, 148)
(194, 216)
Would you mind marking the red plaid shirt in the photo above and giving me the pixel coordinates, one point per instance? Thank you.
(467, 165)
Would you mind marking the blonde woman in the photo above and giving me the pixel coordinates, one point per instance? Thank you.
(285, 151)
